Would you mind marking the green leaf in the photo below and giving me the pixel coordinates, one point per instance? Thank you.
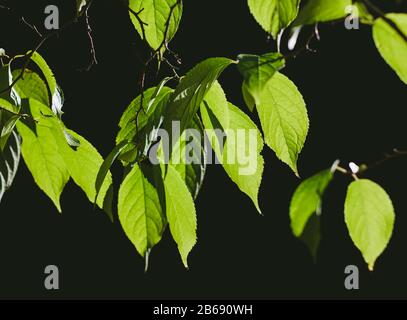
(274, 15)
(257, 71)
(7, 129)
(127, 123)
(6, 79)
(391, 45)
(31, 86)
(6, 105)
(46, 71)
(41, 154)
(9, 161)
(307, 199)
(190, 92)
(180, 212)
(140, 211)
(284, 119)
(155, 14)
(369, 216)
(57, 96)
(191, 150)
(215, 115)
(311, 236)
(322, 11)
(107, 163)
(241, 159)
(83, 165)
(8, 119)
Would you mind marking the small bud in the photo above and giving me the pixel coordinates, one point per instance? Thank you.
(354, 167)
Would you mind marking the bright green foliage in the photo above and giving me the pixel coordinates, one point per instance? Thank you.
(31, 86)
(140, 211)
(191, 90)
(322, 11)
(284, 119)
(216, 114)
(257, 71)
(83, 163)
(40, 153)
(130, 123)
(180, 211)
(52, 161)
(307, 199)
(152, 196)
(369, 216)
(247, 172)
(193, 149)
(391, 45)
(57, 97)
(46, 71)
(155, 14)
(274, 15)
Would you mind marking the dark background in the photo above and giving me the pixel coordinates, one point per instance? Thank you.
(356, 106)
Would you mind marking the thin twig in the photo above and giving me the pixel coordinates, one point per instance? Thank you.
(93, 60)
(382, 15)
(364, 168)
(27, 57)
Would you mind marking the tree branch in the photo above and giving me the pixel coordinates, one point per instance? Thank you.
(395, 154)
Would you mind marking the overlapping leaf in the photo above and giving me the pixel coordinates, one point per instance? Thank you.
(180, 211)
(140, 210)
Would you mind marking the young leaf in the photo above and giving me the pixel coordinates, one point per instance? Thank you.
(391, 45)
(154, 14)
(140, 212)
(307, 200)
(284, 119)
(322, 11)
(40, 152)
(369, 216)
(257, 71)
(244, 169)
(9, 161)
(180, 212)
(274, 15)
(80, 5)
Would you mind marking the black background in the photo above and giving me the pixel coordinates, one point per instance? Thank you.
(356, 106)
